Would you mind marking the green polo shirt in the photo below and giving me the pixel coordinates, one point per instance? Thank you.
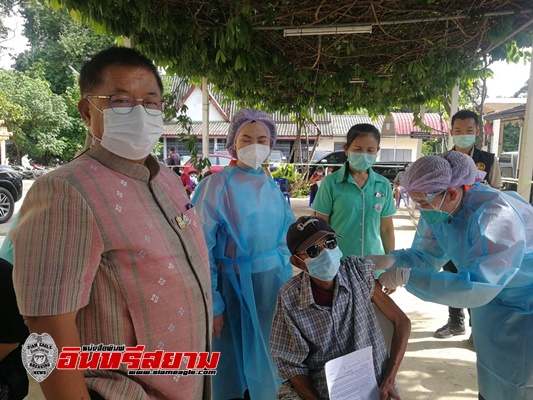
(354, 212)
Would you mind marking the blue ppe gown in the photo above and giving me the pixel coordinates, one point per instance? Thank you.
(490, 241)
(245, 220)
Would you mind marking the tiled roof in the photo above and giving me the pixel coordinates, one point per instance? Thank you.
(216, 129)
(341, 124)
(288, 129)
(220, 129)
(509, 113)
(402, 124)
(178, 86)
(278, 117)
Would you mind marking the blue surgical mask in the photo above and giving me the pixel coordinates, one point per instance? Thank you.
(464, 141)
(326, 265)
(361, 161)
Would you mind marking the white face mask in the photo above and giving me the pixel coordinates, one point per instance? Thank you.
(253, 155)
(132, 136)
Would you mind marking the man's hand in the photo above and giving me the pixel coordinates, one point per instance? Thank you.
(395, 277)
(387, 392)
(382, 262)
(218, 322)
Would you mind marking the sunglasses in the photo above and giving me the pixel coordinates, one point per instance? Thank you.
(315, 250)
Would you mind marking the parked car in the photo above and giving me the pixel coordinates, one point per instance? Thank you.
(317, 155)
(509, 169)
(218, 162)
(337, 158)
(509, 164)
(276, 158)
(10, 192)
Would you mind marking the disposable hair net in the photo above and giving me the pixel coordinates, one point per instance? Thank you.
(432, 174)
(244, 117)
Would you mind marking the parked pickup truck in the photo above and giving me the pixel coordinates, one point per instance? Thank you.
(509, 169)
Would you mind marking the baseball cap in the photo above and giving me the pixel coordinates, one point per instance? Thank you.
(305, 232)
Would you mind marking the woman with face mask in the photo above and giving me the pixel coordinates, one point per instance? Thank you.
(245, 219)
(488, 235)
(357, 202)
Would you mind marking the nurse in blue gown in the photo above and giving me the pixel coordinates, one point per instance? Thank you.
(245, 219)
(488, 235)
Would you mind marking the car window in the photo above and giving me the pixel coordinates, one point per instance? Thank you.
(337, 157)
(275, 156)
(224, 161)
(318, 155)
(213, 160)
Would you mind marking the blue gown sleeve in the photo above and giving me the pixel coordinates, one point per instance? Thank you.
(205, 200)
(425, 252)
(494, 249)
(289, 218)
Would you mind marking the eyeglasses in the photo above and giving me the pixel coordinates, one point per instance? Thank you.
(123, 104)
(431, 196)
(425, 202)
(315, 250)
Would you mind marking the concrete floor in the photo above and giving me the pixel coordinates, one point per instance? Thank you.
(433, 369)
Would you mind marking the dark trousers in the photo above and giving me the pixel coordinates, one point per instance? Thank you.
(95, 396)
(456, 315)
(12, 330)
(312, 193)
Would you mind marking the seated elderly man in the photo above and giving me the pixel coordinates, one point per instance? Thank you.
(327, 312)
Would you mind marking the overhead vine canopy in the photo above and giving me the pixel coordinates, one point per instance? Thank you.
(416, 51)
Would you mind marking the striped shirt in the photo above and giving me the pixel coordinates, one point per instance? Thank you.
(305, 335)
(101, 236)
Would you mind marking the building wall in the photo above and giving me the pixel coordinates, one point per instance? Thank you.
(194, 104)
(330, 144)
(400, 143)
(403, 145)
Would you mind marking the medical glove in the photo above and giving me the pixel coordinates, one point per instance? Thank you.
(395, 277)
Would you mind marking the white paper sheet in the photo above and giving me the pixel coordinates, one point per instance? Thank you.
(351, 377)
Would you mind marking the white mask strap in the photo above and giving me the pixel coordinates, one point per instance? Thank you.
(93, 138)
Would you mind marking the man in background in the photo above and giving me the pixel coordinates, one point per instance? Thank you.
(173, 158)
(25, 161)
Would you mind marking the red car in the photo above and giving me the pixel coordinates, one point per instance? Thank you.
(218, 162)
